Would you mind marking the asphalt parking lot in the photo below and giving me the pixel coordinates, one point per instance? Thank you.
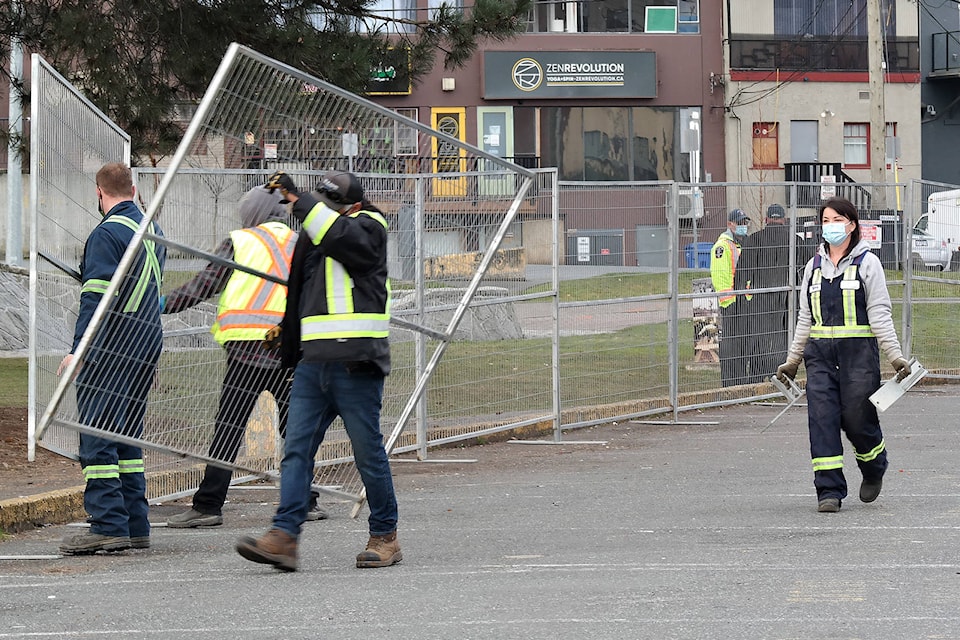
(703, 529)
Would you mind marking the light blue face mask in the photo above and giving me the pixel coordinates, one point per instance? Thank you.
(835, 232)
(741, 230)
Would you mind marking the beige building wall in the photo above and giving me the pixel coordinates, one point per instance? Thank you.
(849, 102)
(798, 98)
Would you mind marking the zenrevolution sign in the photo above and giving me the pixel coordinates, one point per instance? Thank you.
(569, 74)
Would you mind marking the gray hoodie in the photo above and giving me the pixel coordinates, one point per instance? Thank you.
(259, 205)
(875, 290)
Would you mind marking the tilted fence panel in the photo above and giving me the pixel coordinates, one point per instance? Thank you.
(932, 238)
(458, 218)
(70, 140)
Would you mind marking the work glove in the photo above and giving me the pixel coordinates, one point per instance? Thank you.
(282, 180)
(788, 370)
(902, 367)
(271, 340)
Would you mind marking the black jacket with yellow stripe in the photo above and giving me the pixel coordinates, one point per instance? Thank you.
(338, 295)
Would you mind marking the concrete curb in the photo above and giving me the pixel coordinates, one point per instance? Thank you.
(52, 507)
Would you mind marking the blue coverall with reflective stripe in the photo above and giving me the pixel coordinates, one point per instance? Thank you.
(842, 373)
(117, 371)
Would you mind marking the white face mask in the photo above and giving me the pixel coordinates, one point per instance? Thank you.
(741, 230)
(835, 232)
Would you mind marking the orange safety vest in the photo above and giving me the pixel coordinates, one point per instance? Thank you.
(250, 305)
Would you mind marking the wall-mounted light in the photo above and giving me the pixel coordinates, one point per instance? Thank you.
(448, 84)
(826, 113)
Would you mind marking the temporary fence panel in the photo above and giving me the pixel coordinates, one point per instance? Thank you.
(443, 238)
(497, 371)
(932, 239)
(70, 140)
(615, 306)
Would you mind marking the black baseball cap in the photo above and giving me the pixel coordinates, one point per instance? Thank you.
(776, 211)
(738, 216)
(339, 190)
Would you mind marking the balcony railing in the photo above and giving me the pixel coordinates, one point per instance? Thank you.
(819, 54)
(945, 52)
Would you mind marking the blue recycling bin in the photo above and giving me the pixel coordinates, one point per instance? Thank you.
(702, 258)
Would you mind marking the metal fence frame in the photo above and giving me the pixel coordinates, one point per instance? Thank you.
(551, 404)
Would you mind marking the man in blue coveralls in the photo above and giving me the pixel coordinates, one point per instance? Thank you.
(117, 369)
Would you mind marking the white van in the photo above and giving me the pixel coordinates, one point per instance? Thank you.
(939, 227)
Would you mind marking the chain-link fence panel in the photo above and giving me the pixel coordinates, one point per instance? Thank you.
(616, 300)
(70, 140)
(932, 238)
(460, 220)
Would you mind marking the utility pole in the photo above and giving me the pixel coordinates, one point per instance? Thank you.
(878, 122)
(14, 171)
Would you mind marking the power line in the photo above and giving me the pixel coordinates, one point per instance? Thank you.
(795, 73)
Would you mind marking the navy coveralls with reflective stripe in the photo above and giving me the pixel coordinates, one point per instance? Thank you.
(117, 371)
(842, 361)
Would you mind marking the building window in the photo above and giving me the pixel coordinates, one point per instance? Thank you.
(401, 16)
(846, 18)
(766, 153)
(434, 5)
(856, 144)
(689, 16)
(406, 137)
(612, 16)
(612, 143)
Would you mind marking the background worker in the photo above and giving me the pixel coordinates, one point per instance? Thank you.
(844, 322)
(117, 369)
(723, 266)
(248, 307)
(337, 324)
(765, 262)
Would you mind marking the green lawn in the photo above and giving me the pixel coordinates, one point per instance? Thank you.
(13, 382)
(516, 373)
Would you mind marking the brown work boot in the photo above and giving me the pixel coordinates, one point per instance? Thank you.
(88, 543)
(381, 551)
(275, 547)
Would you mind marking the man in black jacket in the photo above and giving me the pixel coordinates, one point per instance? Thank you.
(765, 262)
(336, 328)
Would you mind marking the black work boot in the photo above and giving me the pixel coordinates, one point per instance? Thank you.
(870, 489)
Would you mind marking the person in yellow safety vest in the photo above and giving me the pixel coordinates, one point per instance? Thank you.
(723, 265)
(337, 330)
(248, 307)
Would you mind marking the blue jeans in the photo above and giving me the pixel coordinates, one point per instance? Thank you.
(321, 392)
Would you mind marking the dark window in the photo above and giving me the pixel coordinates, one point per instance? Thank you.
(611, 143)
(828, 17)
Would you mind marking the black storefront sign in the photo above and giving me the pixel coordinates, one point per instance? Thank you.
(569, 74)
